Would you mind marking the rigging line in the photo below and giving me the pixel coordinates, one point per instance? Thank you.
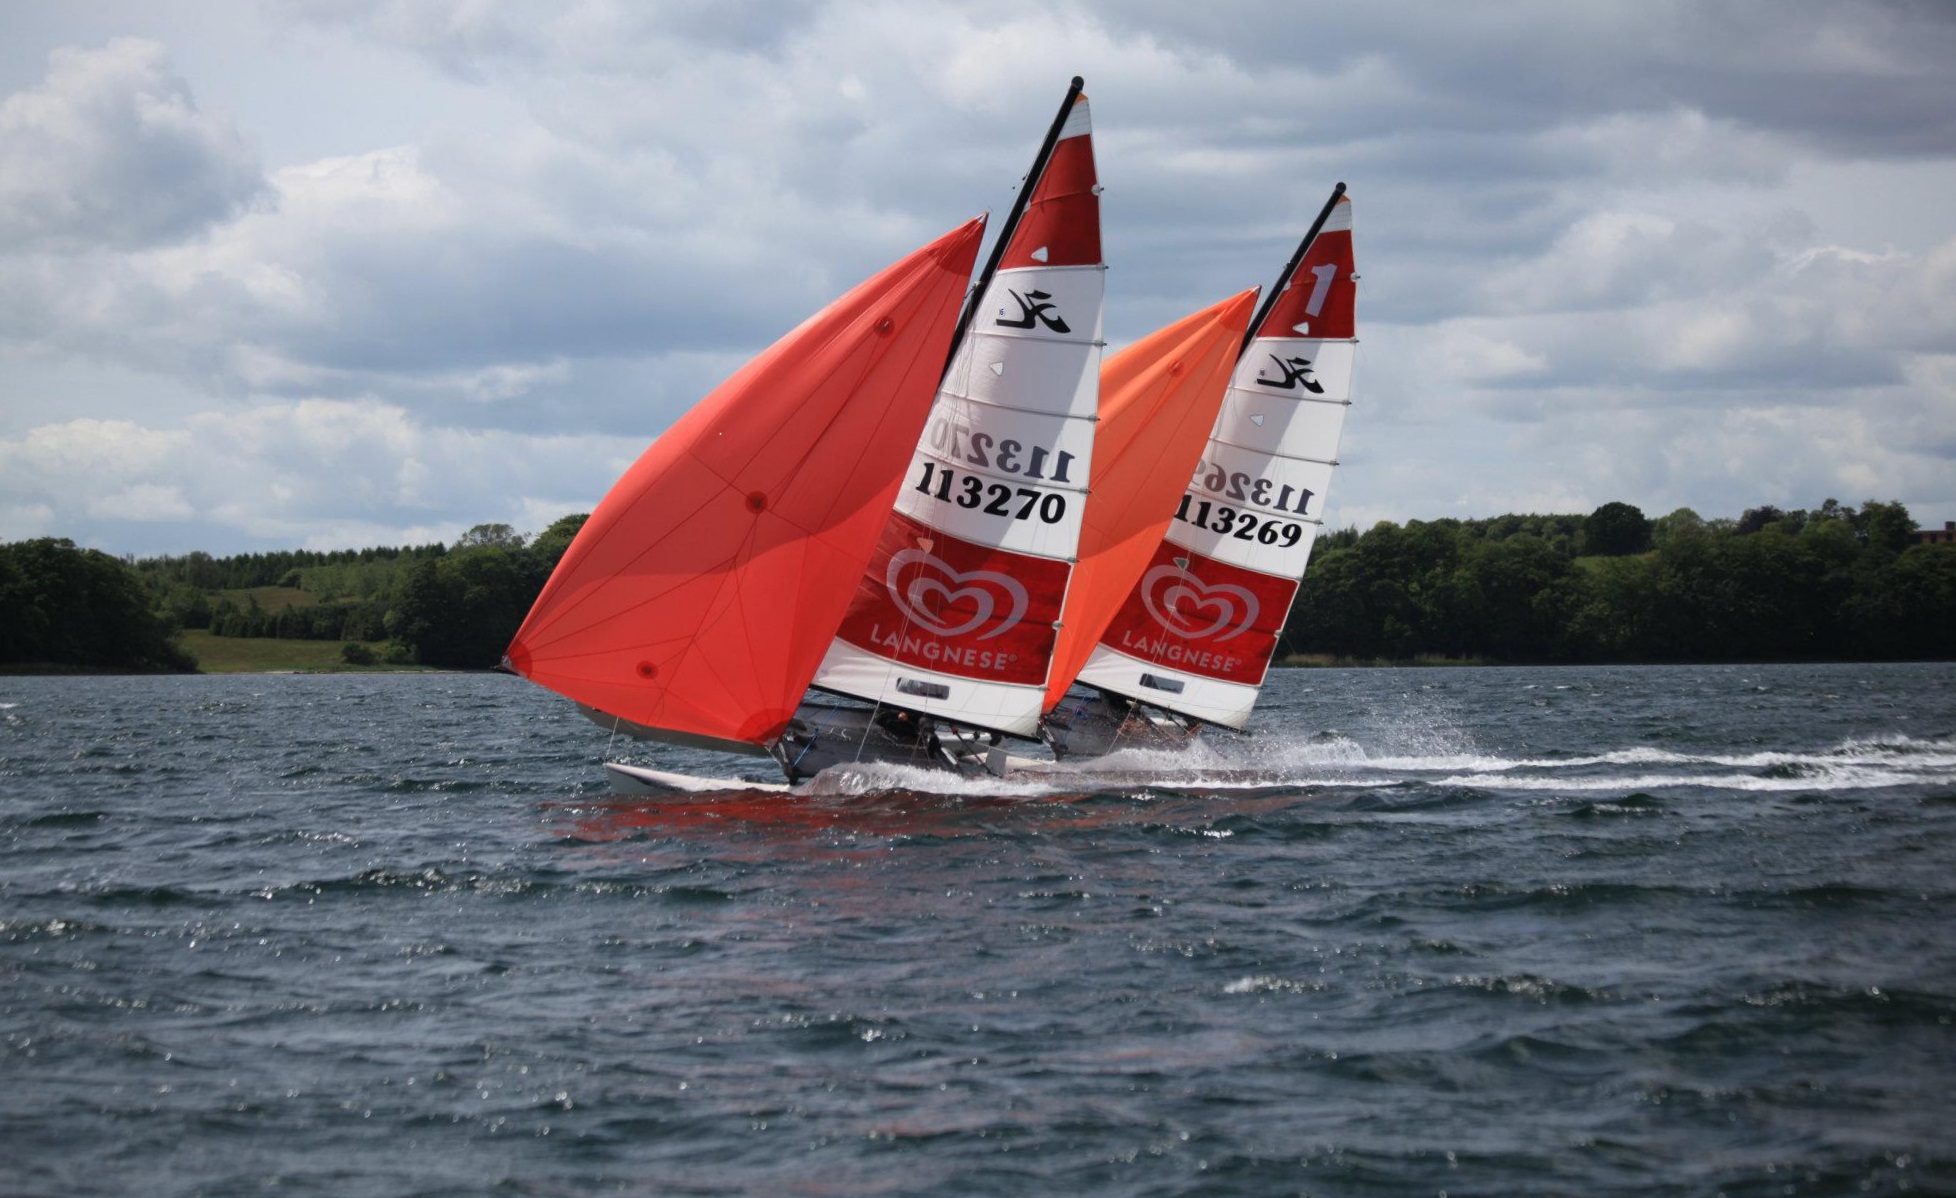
(889, 676)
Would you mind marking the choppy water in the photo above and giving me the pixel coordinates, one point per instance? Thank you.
(1581, 931)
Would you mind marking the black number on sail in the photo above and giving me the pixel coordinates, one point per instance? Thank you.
(939, 482)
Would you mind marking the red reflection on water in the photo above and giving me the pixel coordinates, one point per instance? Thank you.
(891, 814)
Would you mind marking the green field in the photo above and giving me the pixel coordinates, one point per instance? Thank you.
(262, 655)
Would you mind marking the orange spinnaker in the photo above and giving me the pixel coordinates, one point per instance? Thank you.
(703, 591)
(1158, 401)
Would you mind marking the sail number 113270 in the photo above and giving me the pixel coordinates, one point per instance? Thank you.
(969, 491)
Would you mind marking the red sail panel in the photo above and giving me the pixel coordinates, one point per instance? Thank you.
(937, 601)
(1061, 224)
(701, 594)
(1202, 616)
(1158, 401)
(1322, 300)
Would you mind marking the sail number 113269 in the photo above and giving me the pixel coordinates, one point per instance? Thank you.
(1244, 526)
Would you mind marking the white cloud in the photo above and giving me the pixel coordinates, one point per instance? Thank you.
(298, 472)
(1604, 256)
(25, 521)
(112, 151)
(144, 502)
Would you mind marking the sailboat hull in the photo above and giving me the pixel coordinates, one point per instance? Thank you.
(1085, 726)
(638, 780)
(820, 737)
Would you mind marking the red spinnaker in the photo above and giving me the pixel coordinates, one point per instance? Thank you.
(700, 596)
(1158, 400)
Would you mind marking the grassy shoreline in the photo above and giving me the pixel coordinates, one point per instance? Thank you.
(274, 655)
(1331, 661)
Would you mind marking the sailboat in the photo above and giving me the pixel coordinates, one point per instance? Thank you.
(885, 504)
(949, 636)
(1191, 640)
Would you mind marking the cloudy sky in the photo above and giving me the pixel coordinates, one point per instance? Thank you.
(333, 273)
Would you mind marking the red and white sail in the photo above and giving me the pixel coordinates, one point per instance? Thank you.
(1197, 633)
(956, 615)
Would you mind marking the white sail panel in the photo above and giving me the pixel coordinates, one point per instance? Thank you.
(1040, 447)
(1160, 682)
(955, 697)
(1040, 303)
(1003, 370)
(1309, 428)
(986, 506)
(1250, 509)
(1296, 368)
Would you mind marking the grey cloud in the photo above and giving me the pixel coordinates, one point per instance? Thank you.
(1855, 79)
(112, 150)
(1595, 265)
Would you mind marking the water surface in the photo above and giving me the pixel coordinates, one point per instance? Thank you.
(1495, 931)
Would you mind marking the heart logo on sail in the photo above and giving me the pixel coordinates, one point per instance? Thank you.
(927, 590)
(1195, 610)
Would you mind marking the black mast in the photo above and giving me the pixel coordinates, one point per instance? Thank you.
(1283, 280)
(1019, 210)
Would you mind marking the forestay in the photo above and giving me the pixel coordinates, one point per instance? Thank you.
(1197, 633)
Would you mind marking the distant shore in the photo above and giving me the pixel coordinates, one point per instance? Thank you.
(269, 655)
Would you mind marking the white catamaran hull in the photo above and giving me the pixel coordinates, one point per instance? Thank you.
(638, 780)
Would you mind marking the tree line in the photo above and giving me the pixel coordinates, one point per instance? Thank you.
(1836, 582)
(81, 608)
(453, 606)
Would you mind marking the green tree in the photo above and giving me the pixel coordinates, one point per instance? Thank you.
(186, 606)
(548, 546)
(461, 610)
(1616, 529)
(1885, 525)
(1508, 599)
(1905, 607)
(490, 536)
(60, 605)
(1678, 525)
